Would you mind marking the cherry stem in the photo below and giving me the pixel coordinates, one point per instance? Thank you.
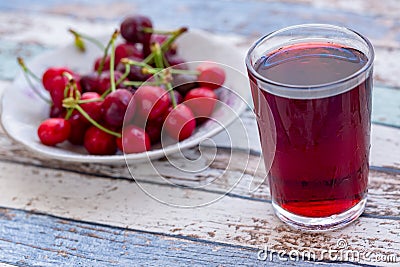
(69, 113)
(139, 83)
(112, 60)
(164, 73)
(27, 74)
(120, 80)
(162, 32)
(165, 45)
(103, 60)
(22, 64)
(84, 114)
(127, 70)
(90, 100)
(86, 37)
(177, 71)
(171, 93)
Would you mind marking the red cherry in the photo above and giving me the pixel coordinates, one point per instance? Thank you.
(134, 140)
(51, 73)
(79, 125)
(132, 29)
(153, 128)
(151, 101)
(180, 122)
(106, 65)
(56, 112)
(127, 50)
(177, 62)
(53, 131)
(98, 142)
(104, 81)
(115, 106)
(57, 88)
(89, 82)
(201, 101)
(211, 75)
(93, 109)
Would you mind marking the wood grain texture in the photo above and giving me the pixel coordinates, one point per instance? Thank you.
(28, 239)
(123, 203)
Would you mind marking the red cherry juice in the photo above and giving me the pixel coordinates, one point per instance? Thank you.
(320, 167)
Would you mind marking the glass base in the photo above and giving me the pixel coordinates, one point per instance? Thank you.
(320, 224)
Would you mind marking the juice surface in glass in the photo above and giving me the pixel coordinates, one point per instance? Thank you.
(320, 167)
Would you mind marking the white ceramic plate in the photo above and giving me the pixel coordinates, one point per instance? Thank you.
(23, 111)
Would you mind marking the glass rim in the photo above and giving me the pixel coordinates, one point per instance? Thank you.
(317, 88)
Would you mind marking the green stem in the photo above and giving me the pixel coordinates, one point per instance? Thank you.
(162, 32)
(88, 38)
(158, 56)
(171, 94)
(112, 60)
(69, 113)
(84, 114)
(139, 83)
(37, 92)
(120, 80)
(165, 45)
(173, 71)
(27, 70)
(103, 60)
(90, 100)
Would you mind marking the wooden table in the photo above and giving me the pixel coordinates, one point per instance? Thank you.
(54, 213)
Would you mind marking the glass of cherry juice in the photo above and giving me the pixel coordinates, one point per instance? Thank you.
(311, 86)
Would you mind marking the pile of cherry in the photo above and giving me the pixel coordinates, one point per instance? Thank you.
(137, 89)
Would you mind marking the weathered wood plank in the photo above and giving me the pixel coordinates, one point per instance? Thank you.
(25, 240)
(123, 203)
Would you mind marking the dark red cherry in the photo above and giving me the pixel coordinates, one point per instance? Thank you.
(56, 112)
(98, 142)
(183, 83)
(115, 106)
(89, 82)
(132, 29)
(104, 81)
(79, 125)
(177, 62)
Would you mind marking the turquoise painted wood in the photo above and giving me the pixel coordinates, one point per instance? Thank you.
(235, 16)
(28, 239)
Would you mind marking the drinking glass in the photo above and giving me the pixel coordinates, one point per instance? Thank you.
(311, 86)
